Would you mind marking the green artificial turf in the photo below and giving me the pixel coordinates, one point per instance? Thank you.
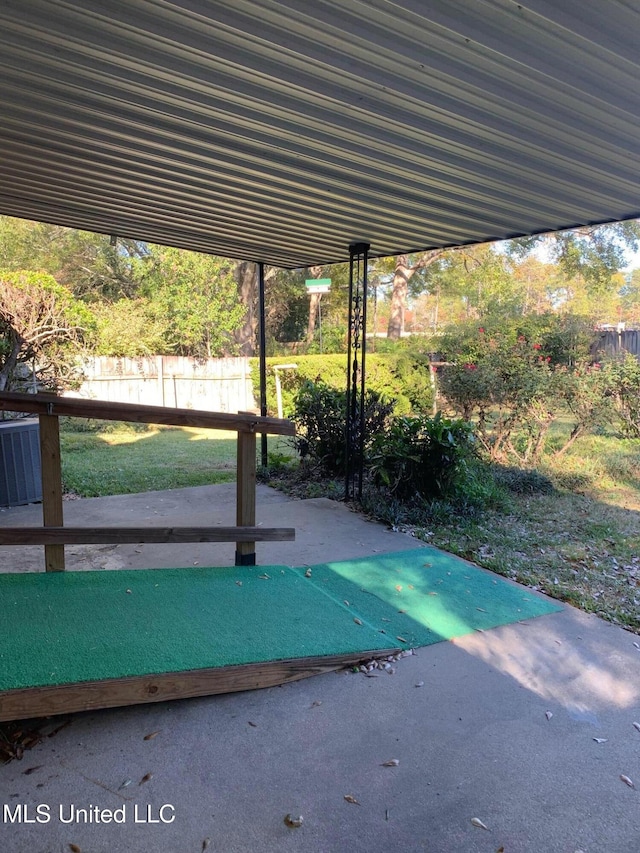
(68, 627)
(426, 595)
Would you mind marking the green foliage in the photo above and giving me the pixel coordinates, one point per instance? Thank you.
(422, 456)
(397, 375)
(320, 413)
(515, 381)
(42, 328)
(622, 380)
(194, 297)
(128, 328)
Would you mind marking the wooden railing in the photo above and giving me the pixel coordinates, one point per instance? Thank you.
(54, 535)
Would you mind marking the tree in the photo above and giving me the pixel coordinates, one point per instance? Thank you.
(194, 297)
(42, 329)
(594, 252)
(128, 328)
(90, 265)
(405, 267)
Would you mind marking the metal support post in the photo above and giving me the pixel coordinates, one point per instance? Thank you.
(263, 361)
(356, 376)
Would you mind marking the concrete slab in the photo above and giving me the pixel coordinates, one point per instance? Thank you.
(502, 729)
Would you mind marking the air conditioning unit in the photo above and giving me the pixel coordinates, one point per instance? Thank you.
(20, 469)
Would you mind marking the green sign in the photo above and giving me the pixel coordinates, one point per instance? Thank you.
(318, 282)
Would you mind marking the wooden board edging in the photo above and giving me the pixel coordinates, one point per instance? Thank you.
(26, 703)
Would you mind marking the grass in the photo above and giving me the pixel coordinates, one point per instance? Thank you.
(112, 459)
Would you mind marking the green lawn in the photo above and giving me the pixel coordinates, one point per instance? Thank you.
(116, 459)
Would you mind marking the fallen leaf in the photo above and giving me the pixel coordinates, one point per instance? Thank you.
(32, 769)
(346, 602)
(254, 725)
(500, 850)
(357, 621)
(636, 726)
(433, 593)
(145, 778)
(293, 822)
(75, 849)
(125, 784)
(129, 591)
(481, 609)
(419, 684)
(402, 611)
(548, 715)
(196, 563)
(239, 583)
(401, 639)
(627, 781)
(392, 762)
(637, 645)
(151, 735)
(307, 574)
(399, 587)
(205, 843)
(477, 822)
(600, 739)
(264, 577)
(351, 799)
(315, 703)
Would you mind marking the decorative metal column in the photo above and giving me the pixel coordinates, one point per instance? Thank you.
(356, 354)
(263, 360)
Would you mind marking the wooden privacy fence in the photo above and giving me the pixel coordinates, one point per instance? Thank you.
(54, 535)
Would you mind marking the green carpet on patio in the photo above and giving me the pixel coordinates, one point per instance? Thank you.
(63, 628)
(426, 595)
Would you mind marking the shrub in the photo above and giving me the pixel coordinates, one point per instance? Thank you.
(424, 456)
(622, 378)
(319, 415)
(402, 377)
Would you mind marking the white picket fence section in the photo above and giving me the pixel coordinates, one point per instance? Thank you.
(213, 385)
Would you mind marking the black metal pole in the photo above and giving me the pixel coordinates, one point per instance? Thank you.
(263, 360)
(356, 379)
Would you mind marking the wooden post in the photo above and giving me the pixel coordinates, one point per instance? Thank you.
(246, 495)
(51, 487)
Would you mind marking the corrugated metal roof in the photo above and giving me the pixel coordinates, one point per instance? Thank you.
(283, 130)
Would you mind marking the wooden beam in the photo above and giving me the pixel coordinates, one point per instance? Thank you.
(112, 693)
(246, 496)
(52, 537)
(52, 512)
(51, 404)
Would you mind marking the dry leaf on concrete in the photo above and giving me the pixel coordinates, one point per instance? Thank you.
(627, 781)
(477, 822)
(392, 762)
(351, 799)
(293, 822)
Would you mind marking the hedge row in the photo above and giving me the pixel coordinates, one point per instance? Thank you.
(401, 377)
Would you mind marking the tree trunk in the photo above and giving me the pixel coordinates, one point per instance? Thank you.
(11, 360)
(401, 276)
(314, 299)
(247, 281)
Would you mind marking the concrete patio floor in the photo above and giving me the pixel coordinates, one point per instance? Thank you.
(502, 729)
